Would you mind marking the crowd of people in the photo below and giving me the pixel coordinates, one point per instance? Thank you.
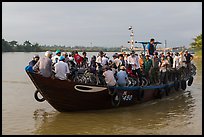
(116, 70)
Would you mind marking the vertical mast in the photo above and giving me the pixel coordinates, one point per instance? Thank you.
(131, 38)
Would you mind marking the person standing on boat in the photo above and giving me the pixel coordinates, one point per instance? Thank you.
(189, 58)
(122, 77)
(147, 67)
(182, 59)
(122, 61)
(163, 68)
(133, 59)
(170, 59)
(109, 76)
(44, 65)
(55, 59)
(78, 59)
(99, 69)
(155, 69)
(85, 60)
(151, 48)
(61, 69)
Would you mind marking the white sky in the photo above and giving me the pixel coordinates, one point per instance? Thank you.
(105, 24)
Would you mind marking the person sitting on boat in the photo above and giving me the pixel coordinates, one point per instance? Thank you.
(151, 48)
(163, 68)
(61, 69)
(78, 59)
(35, 59)
(189, 58)
(122, 77)
(55, 58)
(85, 60)
(147, 67)
(44, 65)
(109, 76)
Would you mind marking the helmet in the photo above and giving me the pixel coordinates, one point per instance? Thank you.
(57, 51)
(48, 53)
(61, 58)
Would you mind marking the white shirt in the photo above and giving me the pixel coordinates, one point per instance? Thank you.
(181, 59)
(176, 62)
(61, 69)
(109, 78)
(134, 61)
(55, 59)
(163, 64)
(98, 60)
(117, 61)
(104, 61)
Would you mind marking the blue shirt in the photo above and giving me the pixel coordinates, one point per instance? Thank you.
(150, 47)
(121, 75)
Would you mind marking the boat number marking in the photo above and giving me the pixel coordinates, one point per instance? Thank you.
(126, 97)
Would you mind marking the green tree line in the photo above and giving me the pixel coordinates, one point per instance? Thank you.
(197, 42)
(27, 46)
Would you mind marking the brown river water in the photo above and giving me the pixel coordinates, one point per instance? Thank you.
(177, 114)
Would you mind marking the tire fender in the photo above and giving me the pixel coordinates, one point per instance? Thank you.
(36, 96)
(115, 99)
(190, 81)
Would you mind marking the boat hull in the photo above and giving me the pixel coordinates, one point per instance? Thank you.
(66, 95)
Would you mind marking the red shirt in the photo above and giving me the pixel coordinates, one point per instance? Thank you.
(78, 58)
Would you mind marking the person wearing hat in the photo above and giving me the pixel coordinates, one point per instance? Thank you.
(55, 58)
(122, 77)
(61, 69)
(44, 65)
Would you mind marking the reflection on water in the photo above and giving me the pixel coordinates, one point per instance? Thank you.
(147, 118)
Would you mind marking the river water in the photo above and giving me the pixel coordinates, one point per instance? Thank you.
(177, 114)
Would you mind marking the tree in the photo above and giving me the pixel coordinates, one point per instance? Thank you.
(197, 44)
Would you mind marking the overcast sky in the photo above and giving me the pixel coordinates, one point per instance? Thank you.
(103, 24)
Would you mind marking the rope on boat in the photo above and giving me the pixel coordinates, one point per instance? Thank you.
(142, 88)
